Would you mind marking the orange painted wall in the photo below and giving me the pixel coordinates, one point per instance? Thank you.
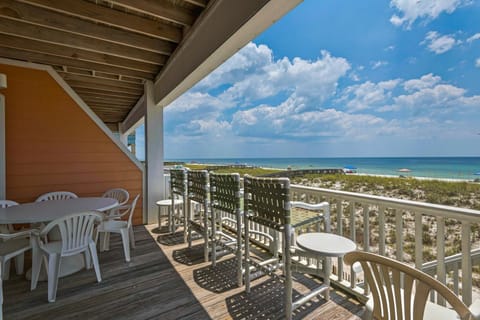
(53, 145)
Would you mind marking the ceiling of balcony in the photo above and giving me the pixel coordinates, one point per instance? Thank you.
(104, 50)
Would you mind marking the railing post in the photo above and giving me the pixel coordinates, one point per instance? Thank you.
(353, 238)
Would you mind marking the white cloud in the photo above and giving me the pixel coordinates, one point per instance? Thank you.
(439, 43)
(316, 79)
(390, 48)
(426, 81)
(441, 96)
(476, 36)
(411, 10)
(477, 63)
(378, 64)
(367, 95)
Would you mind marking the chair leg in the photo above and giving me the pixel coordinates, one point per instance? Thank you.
(37, 258)
(101, 240)
(96, 265)
(88, 260)
(189, 236)
(53, 270)
(132, 237)
(19, 263)
(106, 244)
(6, 269)
(126, 243)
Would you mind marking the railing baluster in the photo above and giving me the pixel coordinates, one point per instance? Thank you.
(466, 264)
(381, 230)
(353, 237)
(399, 233)
(418, 240)
(340, 232)
(441, 276)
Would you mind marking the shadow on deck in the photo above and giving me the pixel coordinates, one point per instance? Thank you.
(164, 280)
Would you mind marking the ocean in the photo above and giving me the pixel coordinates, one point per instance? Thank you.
(430, 167)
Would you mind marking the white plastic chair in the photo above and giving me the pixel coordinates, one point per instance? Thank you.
(122, 196)
(56, 195)
(76, 231)
(7, 228)
(390, 300)
(124, 228)
(13, 245)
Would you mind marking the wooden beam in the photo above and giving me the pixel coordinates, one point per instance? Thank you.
(47, 18)
(134, 117)
(30, 31)
(108, 93)
(162, 9)
(98, 13)
(75, 53)
(200, 3)
(223, 29)
(86, 78)
(113, 100)
(56, 60)
(104, 87)
(114, 107)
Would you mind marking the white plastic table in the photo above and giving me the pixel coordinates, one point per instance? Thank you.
(46, 211)
(326, 245)
(167, 205)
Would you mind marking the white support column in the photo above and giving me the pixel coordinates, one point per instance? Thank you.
(153, 154)
(3, 173)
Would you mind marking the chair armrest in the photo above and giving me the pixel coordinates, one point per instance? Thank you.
(475, 309)
(20, 234)
(308, 221)
(310, 206)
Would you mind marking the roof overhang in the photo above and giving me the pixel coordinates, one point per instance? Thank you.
(225, 27)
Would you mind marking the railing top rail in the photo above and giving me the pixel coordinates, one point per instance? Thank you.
(434, 209)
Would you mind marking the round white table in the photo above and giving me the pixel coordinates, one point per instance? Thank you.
(46, 211)
(326, 245)
(167, 205)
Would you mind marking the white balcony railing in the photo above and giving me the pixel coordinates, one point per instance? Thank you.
(402, 229)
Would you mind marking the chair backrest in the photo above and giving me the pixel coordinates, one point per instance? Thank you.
(56, 195)
(197, 185)
(390, 300)
(225, 192)
(132, 209)
(267, 201)
(7, 203)
(76, 230)
(178, 183)
(121, 195)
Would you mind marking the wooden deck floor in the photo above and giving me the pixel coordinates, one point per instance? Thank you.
(164, 280)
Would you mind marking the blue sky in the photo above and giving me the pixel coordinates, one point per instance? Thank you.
(341, 78)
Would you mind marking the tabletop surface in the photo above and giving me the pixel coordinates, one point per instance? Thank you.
(50, 210)
(327, 244)
(168, 202)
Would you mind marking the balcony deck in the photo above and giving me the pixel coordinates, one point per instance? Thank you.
(164, 280)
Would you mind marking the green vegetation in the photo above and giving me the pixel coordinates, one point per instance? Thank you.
(462, 194)
(226, 169)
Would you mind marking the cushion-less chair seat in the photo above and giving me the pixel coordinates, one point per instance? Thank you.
(112, 225)
(14, 245)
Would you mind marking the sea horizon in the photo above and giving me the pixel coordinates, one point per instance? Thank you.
(442, 167)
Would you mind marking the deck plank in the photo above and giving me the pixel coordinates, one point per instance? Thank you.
(164, 280)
